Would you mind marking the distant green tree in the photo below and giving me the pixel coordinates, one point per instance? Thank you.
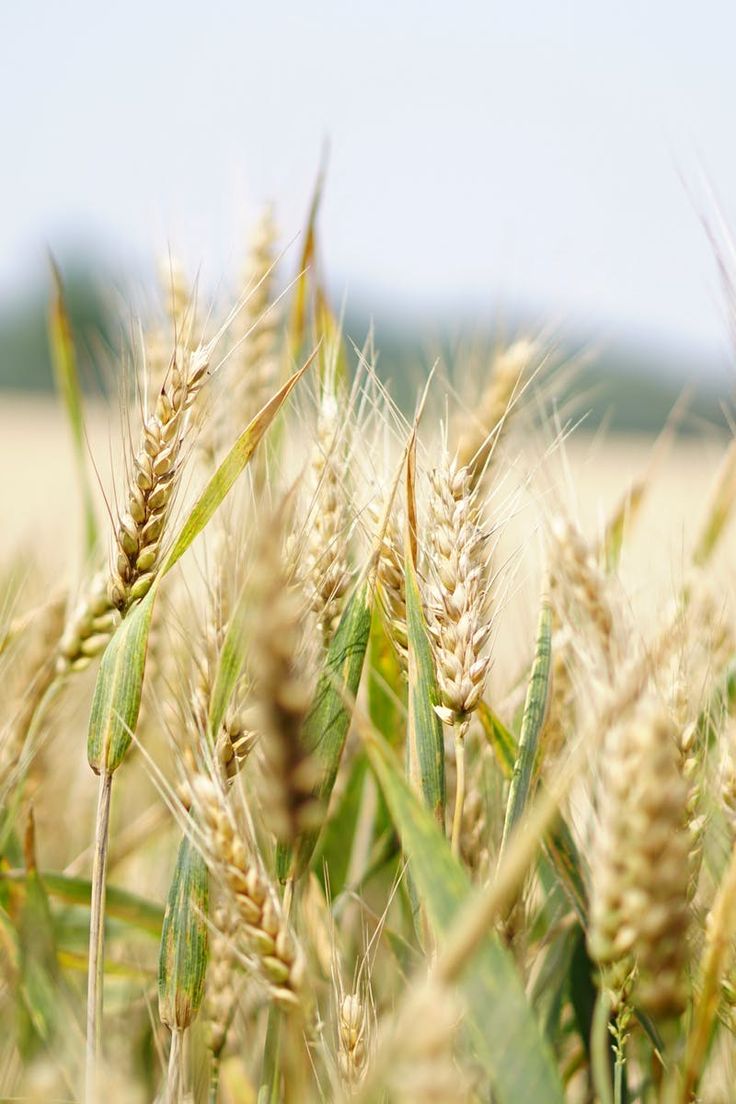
(25, 362)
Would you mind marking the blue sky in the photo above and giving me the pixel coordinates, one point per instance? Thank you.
(484, 156)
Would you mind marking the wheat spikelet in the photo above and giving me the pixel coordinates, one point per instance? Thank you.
(691, 771)
(720, 508)
(180, 326)
(235, 742)
(178, 301)
(457, 607)
(154, 478)
(221, 969)
(639, 867)
(480, 431)
(560, 719)
(255, 364)
(728, 778)
(324, 558)
(580, 588)
(236, 738)
(716, 962)
(352, 1030)
(38, 672)
(457, 600)
(475, 831)
(418, 1062)
(392, 589)
(282, 691)
(209, 646)
(691, 765)
(88, 628)
(263, 928)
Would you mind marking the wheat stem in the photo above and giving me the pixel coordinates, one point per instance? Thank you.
(600, 1048)
(173, 1078)
(457, 819)
(214, 1085)
(95, 974)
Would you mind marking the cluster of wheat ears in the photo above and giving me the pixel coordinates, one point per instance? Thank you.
(333, 856)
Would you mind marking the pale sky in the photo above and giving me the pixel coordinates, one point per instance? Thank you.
(491, 156)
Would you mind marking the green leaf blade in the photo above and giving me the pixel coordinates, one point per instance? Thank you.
(535, 708)
(500, 1020)
(328, 721)
(184, 940)
(66, 375)
(425, 742)
(117, 697)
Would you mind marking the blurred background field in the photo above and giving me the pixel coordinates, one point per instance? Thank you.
(500, 172)
(493, 172)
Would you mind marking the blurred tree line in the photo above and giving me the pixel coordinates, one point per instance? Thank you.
(627, 387)
(25, 359)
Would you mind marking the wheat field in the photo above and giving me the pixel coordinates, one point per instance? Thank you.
(358, 754)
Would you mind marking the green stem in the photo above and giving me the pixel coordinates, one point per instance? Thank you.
(457, 819)
(96, 969)
(214, 1089)
(600, 1048)
(618, 1080)
(270, 1074)
(173, 1080)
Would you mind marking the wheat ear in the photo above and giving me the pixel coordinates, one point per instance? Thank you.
(256, 329)
(154, 479)
(263, 929)
(480, 432)
(639, 900)
(457, 603)
(324, 561)
(282, 688)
